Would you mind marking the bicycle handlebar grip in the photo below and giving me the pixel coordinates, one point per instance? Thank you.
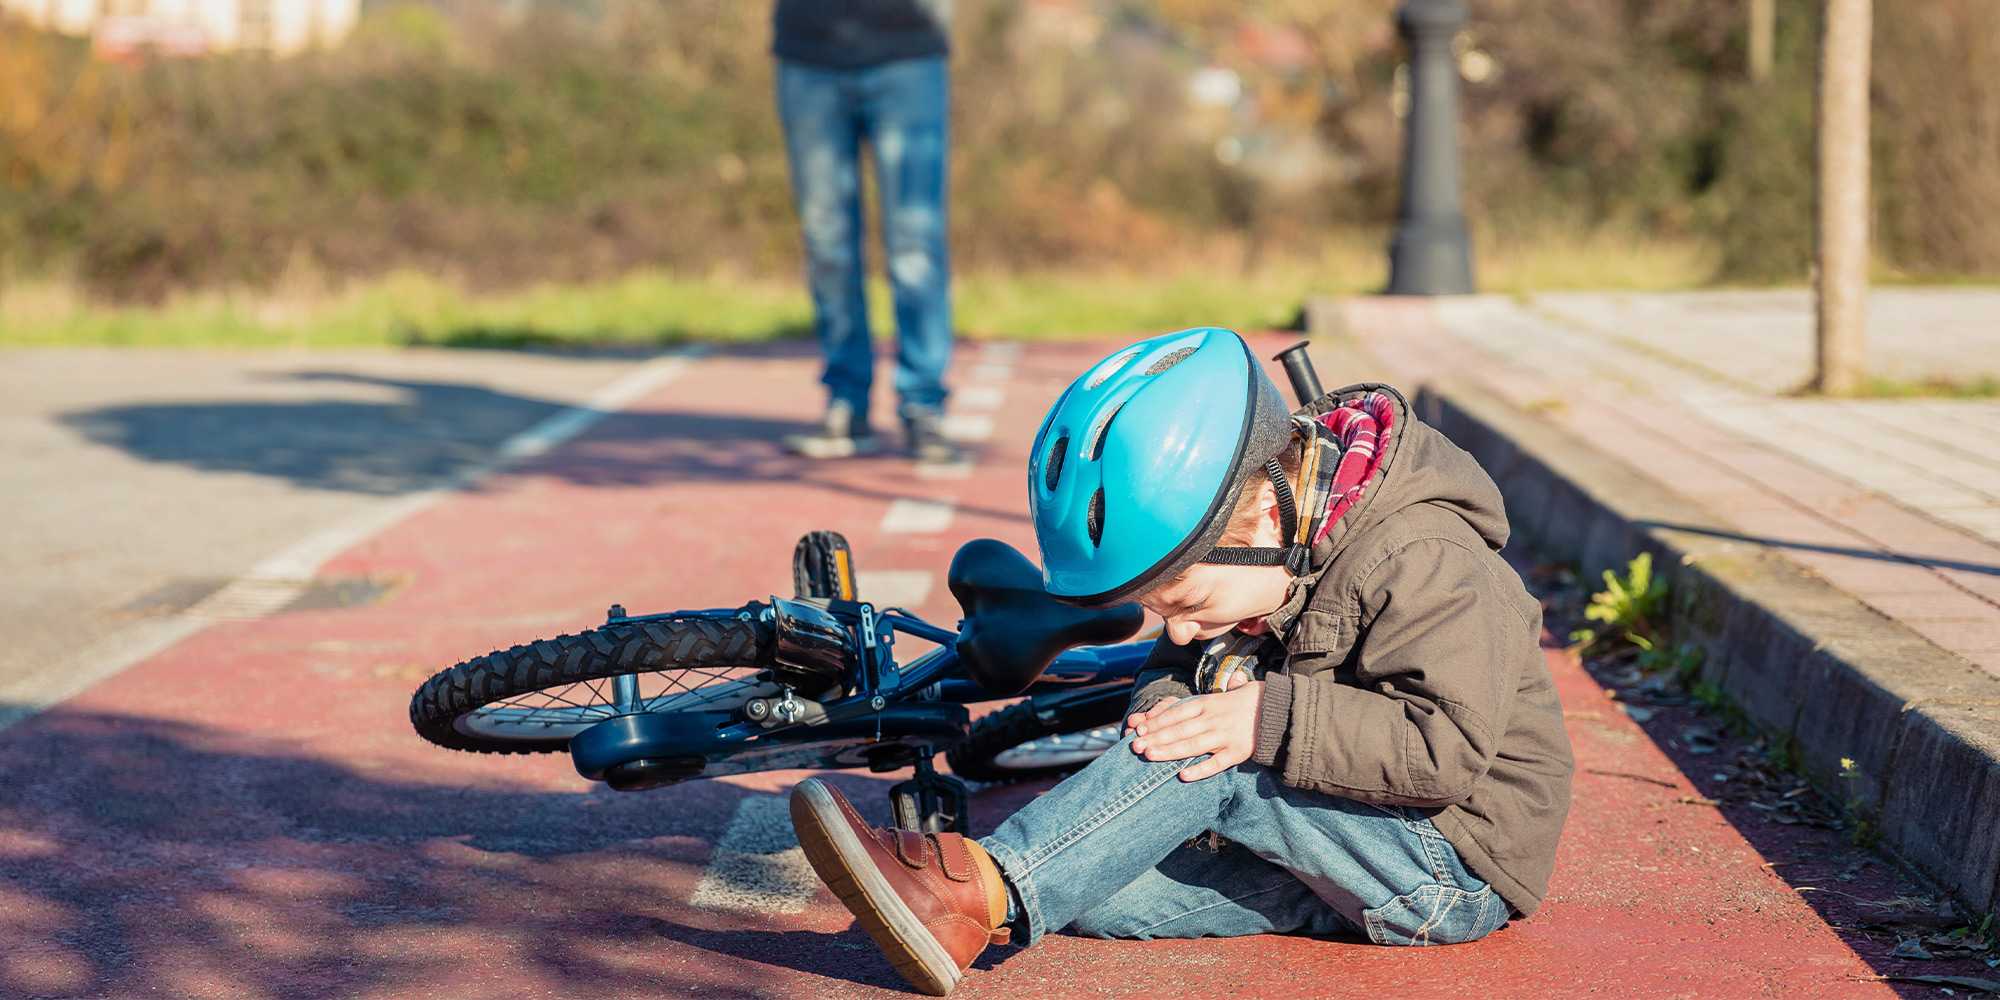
(1299, 368)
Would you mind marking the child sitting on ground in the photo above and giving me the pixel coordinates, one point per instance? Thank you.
(1349, 699)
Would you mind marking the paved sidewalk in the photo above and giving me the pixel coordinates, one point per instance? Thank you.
(247, 814)
(1763, 340)
(1896, 501)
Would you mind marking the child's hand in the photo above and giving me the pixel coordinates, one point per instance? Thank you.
(1224, 726)
(1137, 719)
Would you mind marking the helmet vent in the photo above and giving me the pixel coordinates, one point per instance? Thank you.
(1110, 368)
(1095, 448)
(1094, 519)
(1053, 471)
(1169, 360)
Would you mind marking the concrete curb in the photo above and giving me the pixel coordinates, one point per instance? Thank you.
(1801, 657)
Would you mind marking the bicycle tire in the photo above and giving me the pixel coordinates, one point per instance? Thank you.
(979, 756)
(593, 654)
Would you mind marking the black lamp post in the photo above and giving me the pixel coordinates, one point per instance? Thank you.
(1429, 254)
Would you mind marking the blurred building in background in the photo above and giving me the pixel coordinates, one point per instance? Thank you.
(121, 28)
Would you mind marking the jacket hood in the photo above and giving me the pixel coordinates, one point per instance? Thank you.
(1420, 466)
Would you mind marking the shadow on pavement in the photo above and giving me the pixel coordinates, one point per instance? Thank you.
(1838, 550)
(139, 855)
(514, 337)
(434, 431)
(430, 432)
(639, 449)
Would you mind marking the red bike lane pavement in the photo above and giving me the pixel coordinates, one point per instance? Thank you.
(248, 814)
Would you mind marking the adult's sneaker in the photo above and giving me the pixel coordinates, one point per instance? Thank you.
(842, 433)
(924, 429)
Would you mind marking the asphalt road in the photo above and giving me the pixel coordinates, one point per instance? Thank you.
(135, 484)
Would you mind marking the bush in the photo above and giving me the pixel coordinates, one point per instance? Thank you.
(1937, 136)
(583, 141)
(1759, 204)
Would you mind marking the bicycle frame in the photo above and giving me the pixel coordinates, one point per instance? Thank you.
(890, 714)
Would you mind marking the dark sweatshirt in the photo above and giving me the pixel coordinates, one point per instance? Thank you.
(855, 34)
(1415, 675)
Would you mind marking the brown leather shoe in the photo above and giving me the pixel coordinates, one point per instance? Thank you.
(931, 901)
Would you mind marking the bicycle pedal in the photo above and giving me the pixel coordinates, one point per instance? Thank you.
(930, 802)
(933, 804)
(823, 567)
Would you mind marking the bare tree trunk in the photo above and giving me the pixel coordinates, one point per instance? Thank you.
(1763, 37)
(1843, 195)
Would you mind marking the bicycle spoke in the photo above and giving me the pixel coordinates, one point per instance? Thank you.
(1060, 749)
(586, 701)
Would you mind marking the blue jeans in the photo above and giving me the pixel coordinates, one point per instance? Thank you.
(1105, 853)
(901, 109)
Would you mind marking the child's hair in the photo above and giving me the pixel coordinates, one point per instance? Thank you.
(1243, 520)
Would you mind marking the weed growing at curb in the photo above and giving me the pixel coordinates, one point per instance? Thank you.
(1629, 609)
(1862, 828)
(1752, 774)
(1633, 646)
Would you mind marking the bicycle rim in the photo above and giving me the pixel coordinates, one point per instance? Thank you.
(560, 711)
(1059, 749)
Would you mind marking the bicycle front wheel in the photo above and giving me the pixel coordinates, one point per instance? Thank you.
(534, 697)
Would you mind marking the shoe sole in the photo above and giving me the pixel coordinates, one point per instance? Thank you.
(823, 448)
(846, 867)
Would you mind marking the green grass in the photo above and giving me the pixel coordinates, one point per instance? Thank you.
(644, 309)
(410, 309)
(658, 308)
(1057, 304)
(1607, 259)
(1982, 387)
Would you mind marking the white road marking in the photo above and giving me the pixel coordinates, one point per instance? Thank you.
(247, 597)
(991, 371)
(968, 426)
(618, 395)
(911, 516)
(979, 397)
(944, 470)
(29, 696)
(1002, 351)
(758, 866)
(305, 556)
(894, 588)
(280, 579)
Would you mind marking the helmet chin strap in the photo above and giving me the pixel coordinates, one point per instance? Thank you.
(1295, 558)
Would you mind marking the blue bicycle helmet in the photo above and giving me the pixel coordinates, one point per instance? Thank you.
(1139, 463)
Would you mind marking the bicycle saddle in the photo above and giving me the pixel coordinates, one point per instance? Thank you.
(1013, 629)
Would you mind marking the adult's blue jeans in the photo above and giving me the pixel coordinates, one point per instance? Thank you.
(1106, 853)
(900, 109)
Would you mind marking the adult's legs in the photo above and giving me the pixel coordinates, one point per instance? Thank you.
(821, 115)
(907, 109)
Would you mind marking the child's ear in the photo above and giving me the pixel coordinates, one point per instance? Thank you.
(1267, 504)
